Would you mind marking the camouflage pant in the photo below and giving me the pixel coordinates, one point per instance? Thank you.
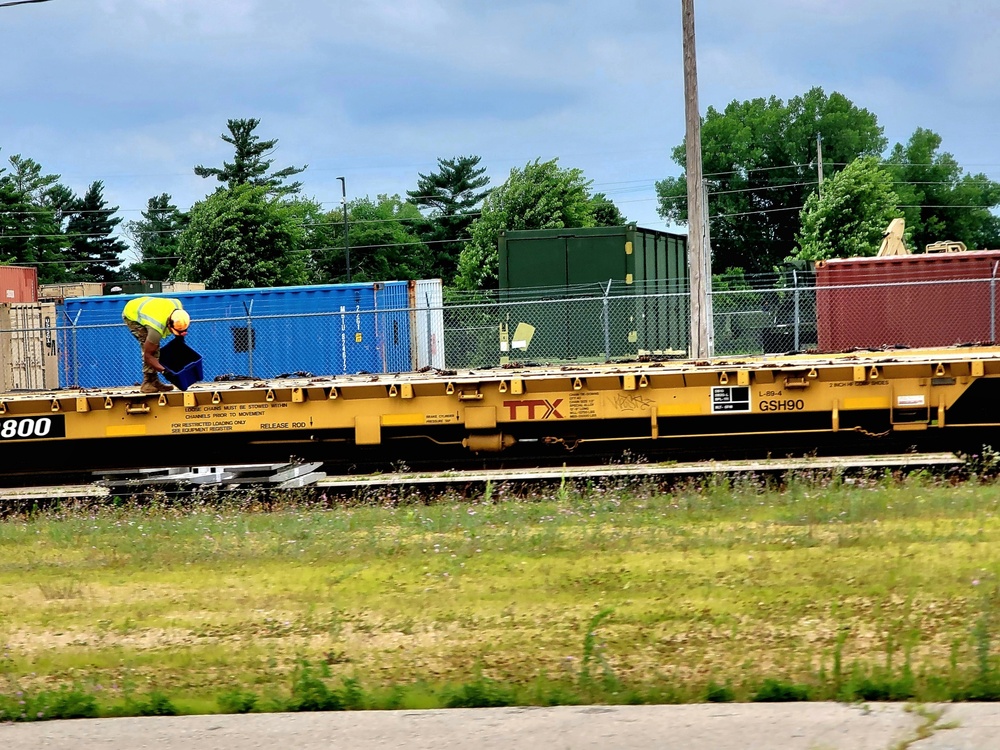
(139, 331)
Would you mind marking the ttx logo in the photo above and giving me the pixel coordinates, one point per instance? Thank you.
(536, 408)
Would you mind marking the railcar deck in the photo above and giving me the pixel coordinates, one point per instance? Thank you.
(861, 401)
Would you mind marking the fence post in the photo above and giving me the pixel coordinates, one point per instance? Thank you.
(380, 331)
(607, 323)
(75, 362)
(250, 336)
(430, 331)
(795, 296)
(993, 304)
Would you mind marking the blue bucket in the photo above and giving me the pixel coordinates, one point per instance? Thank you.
(184, 361)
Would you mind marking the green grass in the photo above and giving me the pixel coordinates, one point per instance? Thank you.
(871, 588)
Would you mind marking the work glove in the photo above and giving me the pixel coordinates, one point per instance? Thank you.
(172, 377)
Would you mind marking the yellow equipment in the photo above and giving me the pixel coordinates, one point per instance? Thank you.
(946, 246)
(892, 240)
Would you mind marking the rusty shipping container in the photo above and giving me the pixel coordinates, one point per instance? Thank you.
(29, 357)
(937, 299)
(18, 284)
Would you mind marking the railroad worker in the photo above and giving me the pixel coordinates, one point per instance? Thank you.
(150, 319)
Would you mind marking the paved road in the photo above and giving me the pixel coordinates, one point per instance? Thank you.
(783, 726)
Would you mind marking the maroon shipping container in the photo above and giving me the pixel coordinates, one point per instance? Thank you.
(932, 300)
(18, 284)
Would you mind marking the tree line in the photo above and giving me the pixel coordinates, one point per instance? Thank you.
(256, 229)
(761, 163)
(44, 224)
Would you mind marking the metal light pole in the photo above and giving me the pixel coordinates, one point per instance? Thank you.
(347, 239)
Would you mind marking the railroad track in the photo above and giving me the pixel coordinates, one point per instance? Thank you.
(878, 403)
(278, 477)
(576, 474)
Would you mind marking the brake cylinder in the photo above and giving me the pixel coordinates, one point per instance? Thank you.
(491, 443)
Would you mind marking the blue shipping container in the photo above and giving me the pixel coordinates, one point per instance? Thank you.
(262, 333)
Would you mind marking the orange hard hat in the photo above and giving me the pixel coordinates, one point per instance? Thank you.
(179, 321)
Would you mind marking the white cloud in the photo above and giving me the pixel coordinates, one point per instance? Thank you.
(209, 18)
(137, 92)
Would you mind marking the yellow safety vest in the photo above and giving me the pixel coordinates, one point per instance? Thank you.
(151, 311)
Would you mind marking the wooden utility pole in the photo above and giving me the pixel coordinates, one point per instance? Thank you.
(699, 254)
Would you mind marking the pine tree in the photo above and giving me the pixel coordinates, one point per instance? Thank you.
(452, 195)
(249, 165)
(156, 238)
(30, 230)
(94, 254)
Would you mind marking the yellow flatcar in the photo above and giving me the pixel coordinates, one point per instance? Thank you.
(867, 401)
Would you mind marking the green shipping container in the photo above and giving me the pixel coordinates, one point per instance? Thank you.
(133, 287)
(646, 309)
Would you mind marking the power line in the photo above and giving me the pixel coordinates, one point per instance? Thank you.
(881, 162)
(332, 224)
(764, 187)
(21, 2)
(310, 250)
(633, 185)
(755, 169)
(363, 222)
(760, 211)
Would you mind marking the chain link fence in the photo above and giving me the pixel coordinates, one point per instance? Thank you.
(43, 347)
(258, 347)
(590, 323)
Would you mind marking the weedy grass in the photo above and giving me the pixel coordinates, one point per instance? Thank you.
(824, 587)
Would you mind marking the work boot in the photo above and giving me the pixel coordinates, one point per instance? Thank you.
(151, 384)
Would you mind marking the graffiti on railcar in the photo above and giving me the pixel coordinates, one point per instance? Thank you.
(633, 402)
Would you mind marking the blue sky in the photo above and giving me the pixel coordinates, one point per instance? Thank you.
(137, 92)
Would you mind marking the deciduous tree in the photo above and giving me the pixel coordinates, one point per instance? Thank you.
(240, 238)
(760, 167)
(941, 201)
(384, 243)
(850, 217)
(320, 233)
(606, 213)
(540, 196)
